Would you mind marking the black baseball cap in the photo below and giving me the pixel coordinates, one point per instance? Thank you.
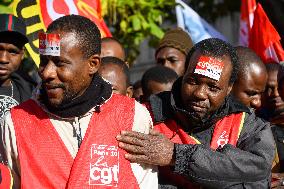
(12, 30)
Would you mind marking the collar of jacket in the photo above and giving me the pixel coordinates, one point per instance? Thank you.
(96, 94)
(24, 88)
(167, 104)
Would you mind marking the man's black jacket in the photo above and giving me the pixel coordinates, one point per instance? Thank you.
(248, 165)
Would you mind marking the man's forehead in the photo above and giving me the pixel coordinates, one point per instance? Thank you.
(57, 42)
(206, 65)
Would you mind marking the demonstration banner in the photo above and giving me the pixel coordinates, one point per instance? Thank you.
(38, 14)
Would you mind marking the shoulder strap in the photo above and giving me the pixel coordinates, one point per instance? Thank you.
(227, 130)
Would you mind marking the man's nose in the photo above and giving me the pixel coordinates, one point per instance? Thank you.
(4, 57)
(256, 102)
(48, 71)
(275, 92)
(200, 92)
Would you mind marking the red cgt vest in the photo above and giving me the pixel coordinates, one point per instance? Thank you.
(45, 161)
(6, 181)
(226, 131)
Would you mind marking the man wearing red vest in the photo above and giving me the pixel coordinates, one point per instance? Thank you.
(64, 137)
(209, 139)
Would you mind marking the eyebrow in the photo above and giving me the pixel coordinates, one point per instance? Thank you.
(172, 56)
(9, 47)
(254, 91)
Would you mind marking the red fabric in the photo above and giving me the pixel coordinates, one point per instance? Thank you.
(231, 125)
(6, 177)
(174, 132)
(98, 160)
(226, 131)
(88, 8)
(247, 9)
(10, 22)
(279, 51)
(263, 35)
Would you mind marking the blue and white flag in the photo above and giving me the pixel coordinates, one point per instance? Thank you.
(197, 27)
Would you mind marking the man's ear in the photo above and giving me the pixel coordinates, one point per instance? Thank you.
(23, 53)
(94, 64)
(230, 88)
(129, 91)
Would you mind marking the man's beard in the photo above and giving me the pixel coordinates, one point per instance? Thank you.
(194, 117)
(68, 96)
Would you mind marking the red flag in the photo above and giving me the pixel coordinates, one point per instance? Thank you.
(247, 10)
(264, 39)
(38, 14)
(51, 10)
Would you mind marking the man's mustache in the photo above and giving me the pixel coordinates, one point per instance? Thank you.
(53, 85)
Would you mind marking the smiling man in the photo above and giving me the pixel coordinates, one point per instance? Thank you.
(64, 137)
(209, 139)
(13, 88)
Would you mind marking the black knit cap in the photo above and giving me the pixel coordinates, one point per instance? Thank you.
(12, 30)
(176, 38)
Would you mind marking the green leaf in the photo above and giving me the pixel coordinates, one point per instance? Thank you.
(136, 23)
(123, 25)
(156, 31)
(133, 21)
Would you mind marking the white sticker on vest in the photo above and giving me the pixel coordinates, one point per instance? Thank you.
(104, 166)
(209, 67)
(223, 139)
(49, 44)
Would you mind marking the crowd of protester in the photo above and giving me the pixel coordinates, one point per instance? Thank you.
(207, 115)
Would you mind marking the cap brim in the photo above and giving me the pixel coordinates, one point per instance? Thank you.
(15, 34)
(13, 37)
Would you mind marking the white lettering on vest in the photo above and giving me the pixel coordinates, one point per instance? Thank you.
(104, 165)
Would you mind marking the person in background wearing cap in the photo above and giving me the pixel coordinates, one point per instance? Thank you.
(13, 88)
(172, 50)
(64, 136)
(209, 138)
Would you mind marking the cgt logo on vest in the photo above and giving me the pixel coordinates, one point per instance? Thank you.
(223, 139)
(104, 165)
